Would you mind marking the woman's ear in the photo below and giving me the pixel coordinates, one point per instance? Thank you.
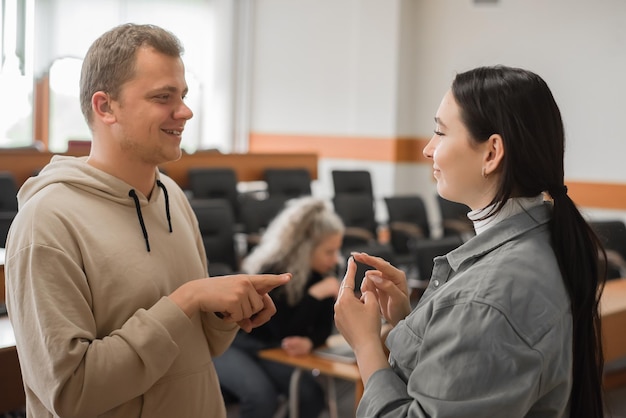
(494, 154)
(101, 106)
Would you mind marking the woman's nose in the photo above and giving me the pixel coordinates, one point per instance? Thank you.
(428, 149)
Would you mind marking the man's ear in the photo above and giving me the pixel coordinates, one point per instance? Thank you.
(494, 154)
(101, 106)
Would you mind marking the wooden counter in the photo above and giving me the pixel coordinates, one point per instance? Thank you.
(249, 167)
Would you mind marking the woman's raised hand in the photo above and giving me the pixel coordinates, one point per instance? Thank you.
(389, 284)
(358, 320)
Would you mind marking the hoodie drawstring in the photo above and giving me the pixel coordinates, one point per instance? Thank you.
(133, 194)
(167, 203)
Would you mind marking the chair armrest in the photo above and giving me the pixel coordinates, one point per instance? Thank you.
(615, 259)
(359, 233)
(408, 228)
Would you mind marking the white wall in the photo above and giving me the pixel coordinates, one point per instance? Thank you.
(578, 47)
(324, 66)
(380, 67)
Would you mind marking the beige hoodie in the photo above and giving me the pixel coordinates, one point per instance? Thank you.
(88, 269)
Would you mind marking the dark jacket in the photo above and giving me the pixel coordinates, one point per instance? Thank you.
(308, 318)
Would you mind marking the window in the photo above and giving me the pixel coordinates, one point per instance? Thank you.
(66, 119)
(16, 81)
(54, 115)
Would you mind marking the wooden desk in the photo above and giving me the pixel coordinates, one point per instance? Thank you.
(613, 313)
(11, 386)
(330, 368)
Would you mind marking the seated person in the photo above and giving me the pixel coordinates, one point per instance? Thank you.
(304, 239)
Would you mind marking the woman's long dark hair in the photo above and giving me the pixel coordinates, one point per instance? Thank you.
(518, 105)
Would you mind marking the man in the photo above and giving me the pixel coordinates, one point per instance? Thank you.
(107, 286)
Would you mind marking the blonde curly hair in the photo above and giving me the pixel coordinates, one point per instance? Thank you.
(289, 241)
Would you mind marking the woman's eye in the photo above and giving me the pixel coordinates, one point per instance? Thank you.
(438, 133)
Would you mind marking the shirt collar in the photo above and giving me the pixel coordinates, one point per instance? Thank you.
(497, 233)
(513, 206)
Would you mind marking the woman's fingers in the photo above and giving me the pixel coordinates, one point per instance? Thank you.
(348, 278)
(377, 262)
(390, 272)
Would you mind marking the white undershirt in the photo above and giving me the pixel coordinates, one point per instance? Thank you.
(513, 206)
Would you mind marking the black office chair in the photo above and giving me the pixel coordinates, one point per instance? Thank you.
(361, 229)
(454, 220)
(357, 213)
(612, 234)
(217, 227)
(288, 182)
(408, 220)
(256, 215)
(352, 182)
(6, 218)
(8, 192)
(215, 183)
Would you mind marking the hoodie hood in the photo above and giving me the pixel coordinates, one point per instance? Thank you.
(75, 172)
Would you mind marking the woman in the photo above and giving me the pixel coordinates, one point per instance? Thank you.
(509, 324)
(304, 239)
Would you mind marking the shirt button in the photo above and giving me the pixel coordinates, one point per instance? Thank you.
(436, 283)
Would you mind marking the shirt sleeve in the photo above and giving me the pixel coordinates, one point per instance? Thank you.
(469, 362)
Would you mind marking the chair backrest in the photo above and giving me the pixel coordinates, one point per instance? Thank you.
(8, 192)
(256, 215)
(215, 183)
(352, 182)
(288, 182)
(217, 227)
(408, 220)
(427, 249)
(357, 213)
(454, 218)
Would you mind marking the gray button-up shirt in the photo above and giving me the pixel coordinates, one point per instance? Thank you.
(491, 336)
